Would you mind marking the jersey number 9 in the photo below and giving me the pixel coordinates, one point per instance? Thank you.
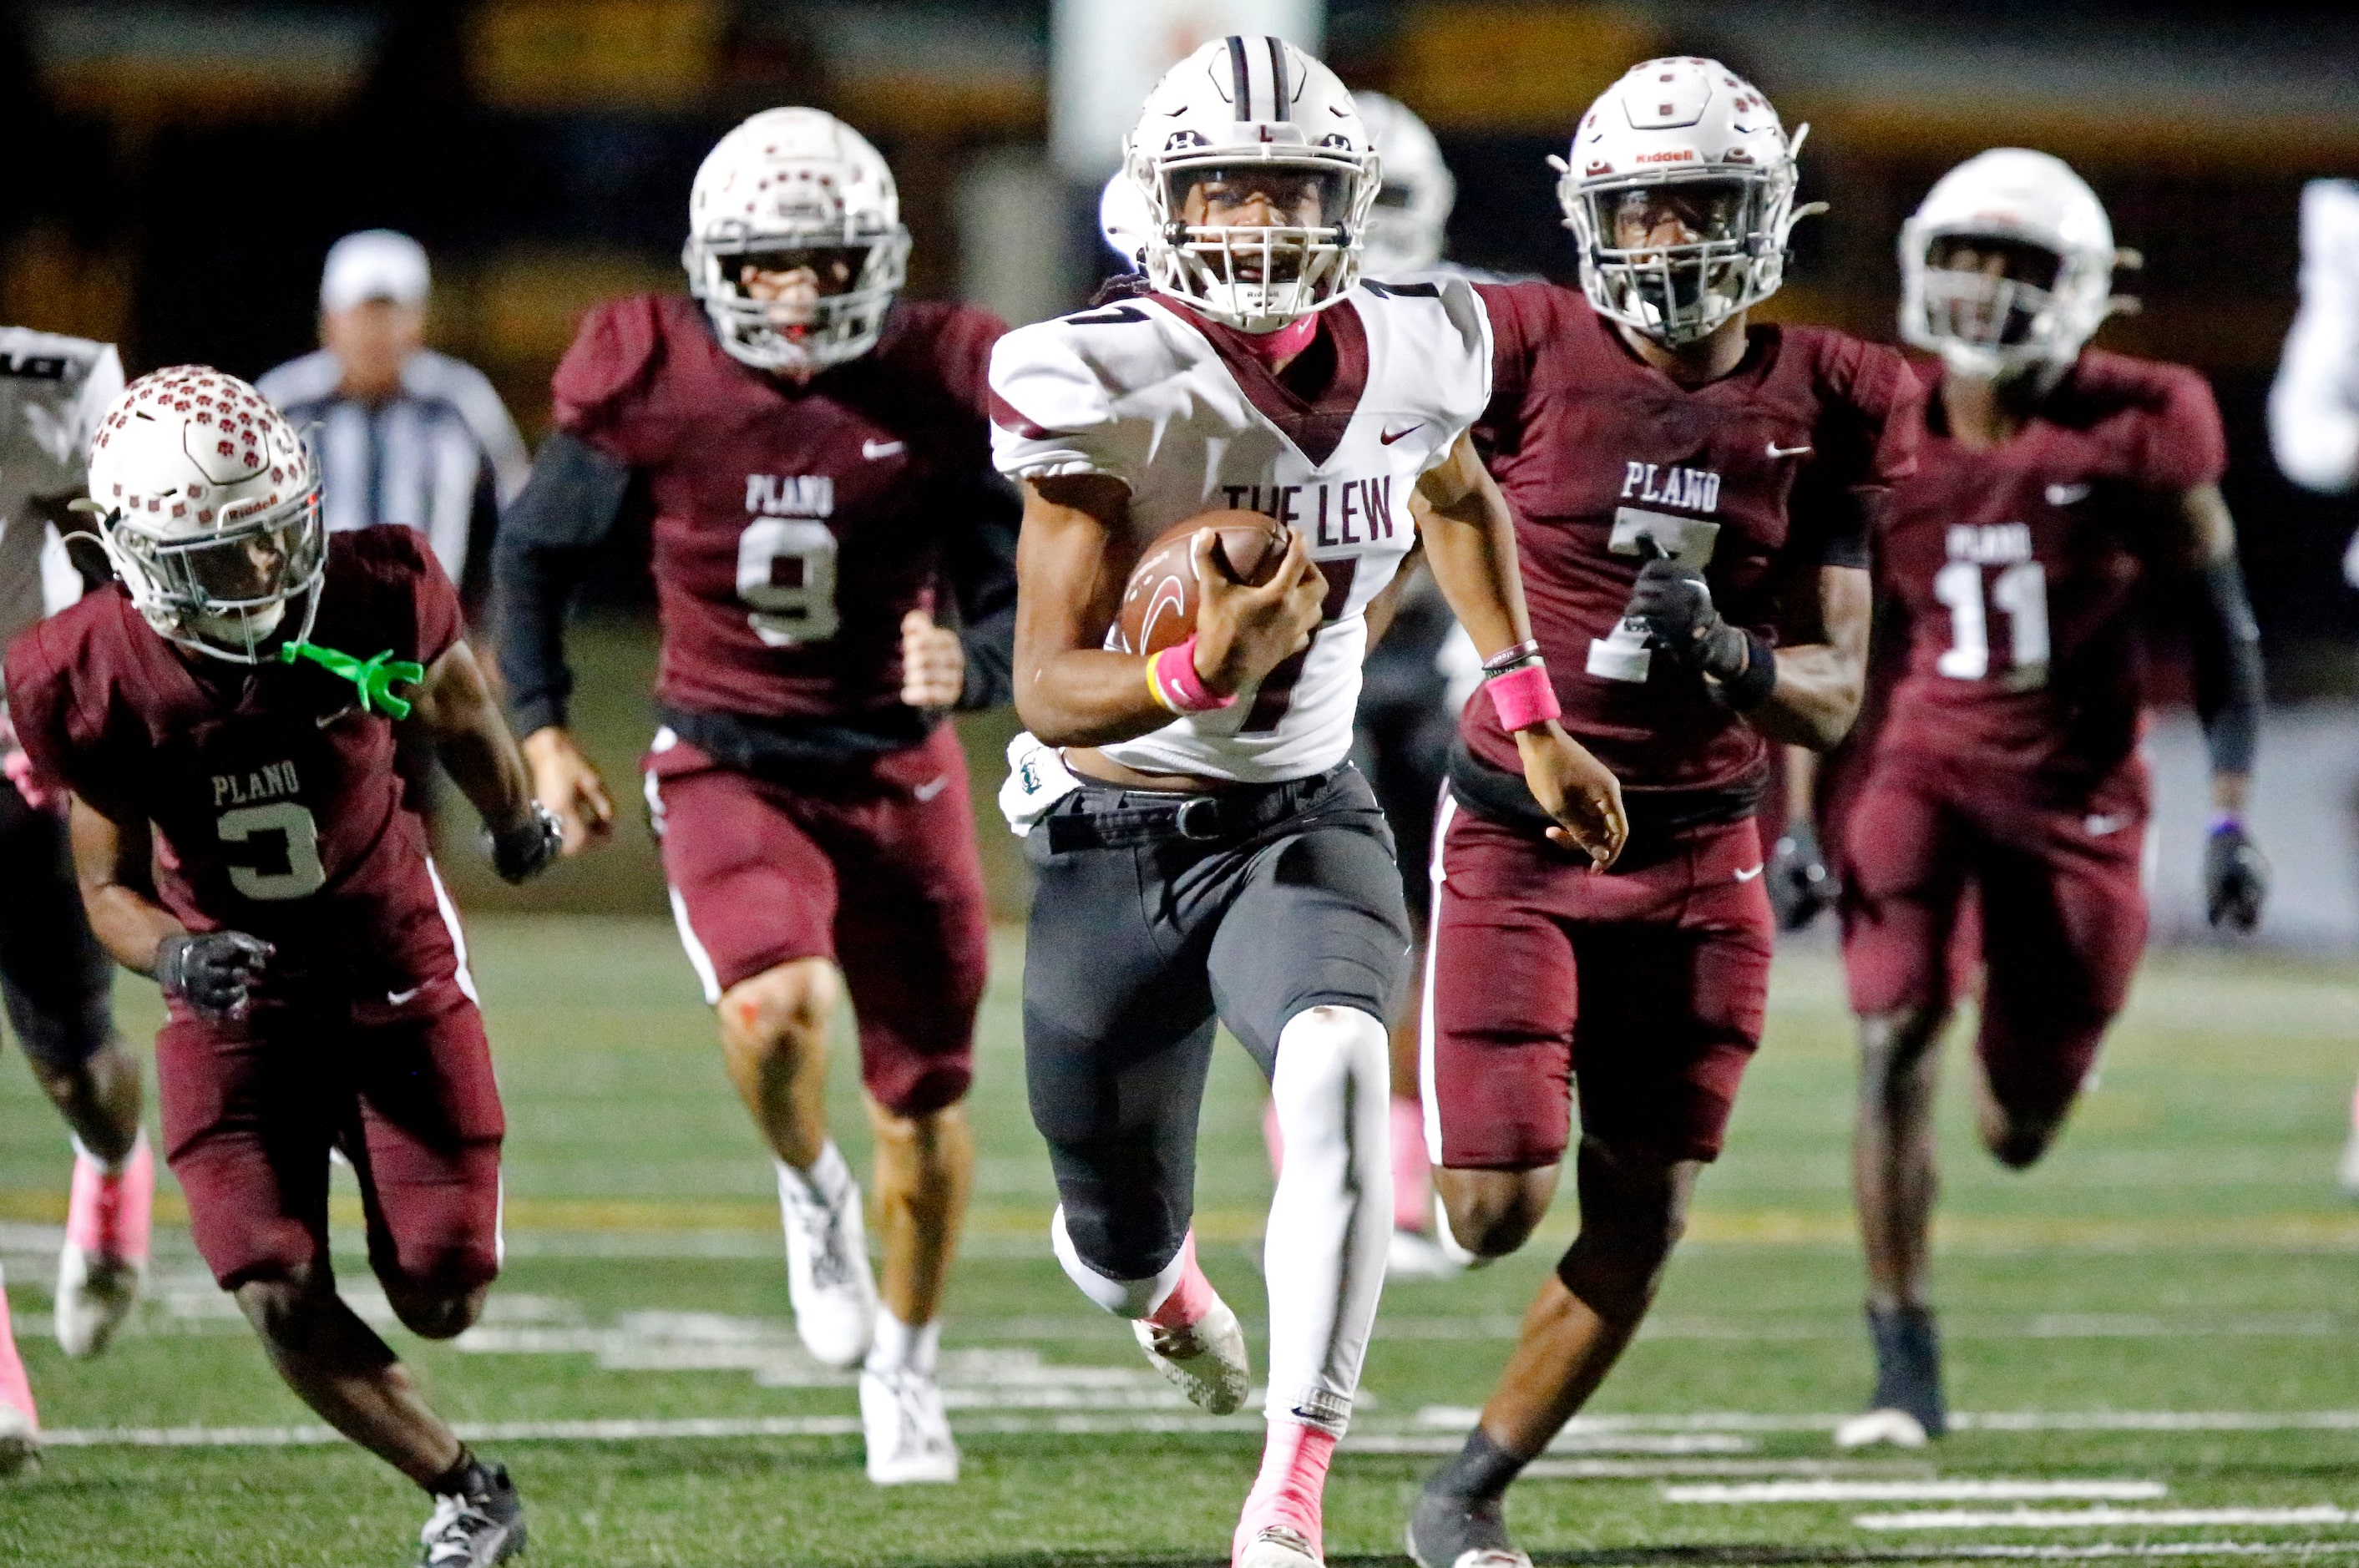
(786, 570)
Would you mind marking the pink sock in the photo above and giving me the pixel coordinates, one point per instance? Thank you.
(1412, 1179)
(1190, 1298)
(111, 1217)
(1288, 1491)
(1276, 1139)
(15, 1388)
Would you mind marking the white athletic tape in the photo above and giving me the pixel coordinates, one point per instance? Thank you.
(1936, 1491)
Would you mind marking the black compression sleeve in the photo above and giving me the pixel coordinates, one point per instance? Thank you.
(2226, 643)
(545, 544)
(982, 563)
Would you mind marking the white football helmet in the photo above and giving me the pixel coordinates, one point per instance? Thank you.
(208, 506)
(1244, 107)
(1123, 220)
(796, 181)
(2028, 311)
(1692, 127)
(1404, 226)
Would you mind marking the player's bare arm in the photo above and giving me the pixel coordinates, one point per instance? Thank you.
(1387, 604)
(1071, 565)
(2228, 693)
(1469, 534)
(213, 972)
(1807, 693)
(456, 708)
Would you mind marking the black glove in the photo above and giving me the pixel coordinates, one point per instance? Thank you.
(1798, 884)
(1675, 606)
(525, 851)
(2235, 878)
(214, 972)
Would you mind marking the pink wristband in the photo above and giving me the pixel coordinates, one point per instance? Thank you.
(1173, 675)
(1523, 697)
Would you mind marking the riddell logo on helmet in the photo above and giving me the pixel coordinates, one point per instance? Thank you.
(1681, 155)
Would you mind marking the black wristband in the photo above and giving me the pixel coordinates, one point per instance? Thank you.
(1751, 687)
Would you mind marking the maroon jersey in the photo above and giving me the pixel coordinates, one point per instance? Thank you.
(274, 796)
(2018, 568)
(794, 527)
(1767, 469)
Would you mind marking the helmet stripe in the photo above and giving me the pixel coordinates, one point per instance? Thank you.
(1243, 94)
(1277, 76)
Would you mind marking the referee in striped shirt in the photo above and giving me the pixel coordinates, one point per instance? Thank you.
(405, 435)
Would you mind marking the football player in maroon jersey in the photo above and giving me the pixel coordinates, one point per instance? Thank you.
(817, 460)
(242, 835)
(1693, 498)
(2058, 488)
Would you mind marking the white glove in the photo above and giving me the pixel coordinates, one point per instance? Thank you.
(2314, 404)
(1037, 780)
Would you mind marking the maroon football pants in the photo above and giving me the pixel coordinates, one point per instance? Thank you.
(1644, 986)
(252, 1109)
(2063, 915)
(874, 867)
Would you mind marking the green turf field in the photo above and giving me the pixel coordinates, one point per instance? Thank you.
(2167, 1307)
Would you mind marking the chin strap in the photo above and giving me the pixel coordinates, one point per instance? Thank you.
(374, 676)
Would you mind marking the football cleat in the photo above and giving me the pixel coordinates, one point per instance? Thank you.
(20, 1440)
(1884, 1428)
(2348, 1174)
(1907, 1409)
(828, 1281)
(1206, 1360)
(1448, 1531)
(104, 1263)
(1412, 1255)
(1276, 1546)
(474, 1529)
(908, 1432)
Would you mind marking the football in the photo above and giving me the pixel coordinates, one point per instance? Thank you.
(1158, 605)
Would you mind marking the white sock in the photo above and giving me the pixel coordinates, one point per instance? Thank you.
(898, 1346)
(826, 1182)
(1331, 1221)
(1124, 1298)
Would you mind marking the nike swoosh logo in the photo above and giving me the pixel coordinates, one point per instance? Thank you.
(928, 790)
(1777, 451)
(2100, 825)
(2065, 494)
(873, 450)
(1748, 875)
(397, 997)
(324, 720)
(1388, 437)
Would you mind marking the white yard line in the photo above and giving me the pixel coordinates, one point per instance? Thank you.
(2105, 1518)
(1961, 1490)
(1460, 1417)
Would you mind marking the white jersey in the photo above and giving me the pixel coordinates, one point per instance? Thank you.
(53, 391)
(1140, 392)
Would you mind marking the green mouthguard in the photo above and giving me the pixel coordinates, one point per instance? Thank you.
(374, 677)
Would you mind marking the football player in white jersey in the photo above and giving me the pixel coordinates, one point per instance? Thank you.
(1204, 848)
(53, 975)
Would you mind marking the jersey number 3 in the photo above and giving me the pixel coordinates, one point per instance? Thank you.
(2021, 591)
(282, 851)
(786, 570)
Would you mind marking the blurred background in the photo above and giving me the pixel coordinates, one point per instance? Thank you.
(179, 170)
